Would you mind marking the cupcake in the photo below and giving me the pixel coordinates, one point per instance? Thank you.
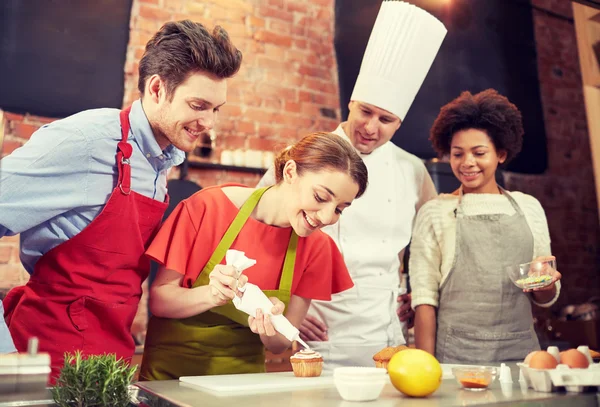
(382, 358)
(307, 363)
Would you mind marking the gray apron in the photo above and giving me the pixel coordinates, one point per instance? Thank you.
(482, 316)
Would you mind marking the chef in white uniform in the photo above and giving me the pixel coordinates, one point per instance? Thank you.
(371, 234)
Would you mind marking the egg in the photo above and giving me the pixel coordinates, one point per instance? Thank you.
(574, 359)
(542, 360)
(528, 357)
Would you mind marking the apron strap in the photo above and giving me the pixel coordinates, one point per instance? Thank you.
(511, 200)
(287, 275)
(458, 212)
(124, 153)
(230, 235)
(285, 284)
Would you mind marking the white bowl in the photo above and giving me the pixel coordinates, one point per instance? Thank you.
(360, 373)
(359, 383)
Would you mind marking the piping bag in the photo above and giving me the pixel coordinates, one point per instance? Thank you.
(253, 298)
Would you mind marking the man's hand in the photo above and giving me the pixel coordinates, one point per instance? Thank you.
(405, 312)
(313, 329)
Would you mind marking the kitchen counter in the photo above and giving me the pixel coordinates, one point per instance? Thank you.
(172, 393)
(42, 398)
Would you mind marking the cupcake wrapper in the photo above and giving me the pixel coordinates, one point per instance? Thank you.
(307, 368)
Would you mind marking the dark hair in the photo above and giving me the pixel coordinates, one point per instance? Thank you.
(181, 48)
(487, 111)
(324, 151)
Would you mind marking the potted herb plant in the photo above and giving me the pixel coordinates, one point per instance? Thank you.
(96, 380)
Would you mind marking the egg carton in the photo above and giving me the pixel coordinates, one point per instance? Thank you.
(562, 377)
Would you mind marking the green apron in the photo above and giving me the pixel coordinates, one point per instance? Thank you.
(217, 341)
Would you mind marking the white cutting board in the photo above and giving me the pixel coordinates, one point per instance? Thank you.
(233, 384)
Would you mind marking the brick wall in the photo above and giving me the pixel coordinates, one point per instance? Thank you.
(287, 86)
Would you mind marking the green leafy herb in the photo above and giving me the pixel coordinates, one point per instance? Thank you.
(98, 380)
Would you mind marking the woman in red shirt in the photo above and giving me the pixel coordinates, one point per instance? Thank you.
(195, 329)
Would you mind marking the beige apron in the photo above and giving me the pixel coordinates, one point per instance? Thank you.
(217, 341)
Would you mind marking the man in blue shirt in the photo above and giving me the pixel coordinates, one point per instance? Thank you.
(87, 193)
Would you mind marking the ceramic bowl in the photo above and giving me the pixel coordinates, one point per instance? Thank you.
(359, 383)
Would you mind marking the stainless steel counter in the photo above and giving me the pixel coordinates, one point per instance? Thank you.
(42, 398)
(175, 394)
(172, 393)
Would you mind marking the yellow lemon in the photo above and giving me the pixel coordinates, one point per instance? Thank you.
(415, 372)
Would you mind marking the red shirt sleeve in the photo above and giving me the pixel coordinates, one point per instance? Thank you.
(325, 271)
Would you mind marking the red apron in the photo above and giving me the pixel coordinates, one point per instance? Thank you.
(84, 293)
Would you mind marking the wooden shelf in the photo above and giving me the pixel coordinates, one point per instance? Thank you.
(589, 3)
(215, 166)
(587, 28)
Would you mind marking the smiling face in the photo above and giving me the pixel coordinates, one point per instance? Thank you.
(474, 160)
(369, 127)
(316, 199)
(192, 110)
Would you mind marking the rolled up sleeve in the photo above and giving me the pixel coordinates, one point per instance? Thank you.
(552, 301)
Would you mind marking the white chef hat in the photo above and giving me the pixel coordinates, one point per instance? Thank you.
(402, 46)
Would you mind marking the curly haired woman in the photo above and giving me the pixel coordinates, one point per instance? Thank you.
(467, 309)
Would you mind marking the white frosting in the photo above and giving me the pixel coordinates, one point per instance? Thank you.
(306, 354)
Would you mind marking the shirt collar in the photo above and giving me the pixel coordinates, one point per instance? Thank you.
(144, 137)
(340, 132)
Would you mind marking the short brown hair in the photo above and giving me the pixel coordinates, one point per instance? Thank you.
(181, 48)
(324, 151)
(487, 111)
